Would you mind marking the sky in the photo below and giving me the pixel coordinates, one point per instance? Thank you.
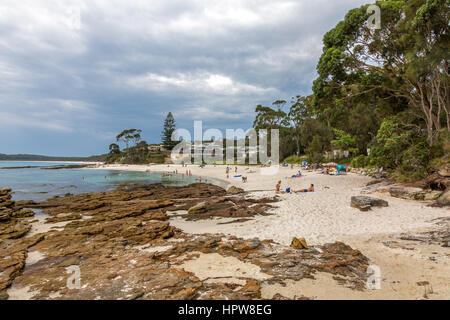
(73, 74)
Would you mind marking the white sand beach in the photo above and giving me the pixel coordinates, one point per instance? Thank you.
(409, 269)
(319, 217)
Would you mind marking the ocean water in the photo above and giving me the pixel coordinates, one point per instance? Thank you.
(38, 184)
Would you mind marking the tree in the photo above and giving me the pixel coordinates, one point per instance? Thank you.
(268, 118)
(298, 112)
(168, 130)
(407, 59)
(114, 148)
(315, 150)
(129, 136)
(343, 141)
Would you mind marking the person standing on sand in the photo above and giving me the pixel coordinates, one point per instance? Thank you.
(235, 170)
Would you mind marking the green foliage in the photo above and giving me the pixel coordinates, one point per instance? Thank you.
(136, 151)
(360, 161)
(343, 141)
(385, 89)
(296, 159)
(268, 118)
(315, 150)
(403, 151)
(129, 137)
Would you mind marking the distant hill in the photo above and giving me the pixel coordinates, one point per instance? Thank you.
(33, 157)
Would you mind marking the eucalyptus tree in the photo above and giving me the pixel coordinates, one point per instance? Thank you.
(407, 59)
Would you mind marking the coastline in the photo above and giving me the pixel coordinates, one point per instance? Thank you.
(395, 239)
(320, 217)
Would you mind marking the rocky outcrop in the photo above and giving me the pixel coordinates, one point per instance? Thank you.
(125, 248)
(409, 193)
(235, 190)
(136, 199)
(299, 243)
(432, 195)
(444, 199)
(364, 203)
(11, 225)
(201, 207)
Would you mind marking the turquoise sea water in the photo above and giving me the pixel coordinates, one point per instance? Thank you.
(37, 184)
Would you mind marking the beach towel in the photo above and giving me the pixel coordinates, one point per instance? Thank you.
(238, 176)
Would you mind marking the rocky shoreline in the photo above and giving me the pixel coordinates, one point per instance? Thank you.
(125, 248)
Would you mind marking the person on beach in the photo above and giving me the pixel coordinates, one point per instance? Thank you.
(277, 187)
(310, 189)
(235, 170)
(244, 179)
(340, 168)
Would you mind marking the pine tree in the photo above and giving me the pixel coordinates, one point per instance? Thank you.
(166, 135)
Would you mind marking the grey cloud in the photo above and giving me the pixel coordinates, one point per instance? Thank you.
(125, 64)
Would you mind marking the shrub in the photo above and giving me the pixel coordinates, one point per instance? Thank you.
(360, 161)
(295, 159)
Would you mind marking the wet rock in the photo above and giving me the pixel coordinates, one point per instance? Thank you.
(365, 203)
(299, 243)
(235, 190)
(409, 193)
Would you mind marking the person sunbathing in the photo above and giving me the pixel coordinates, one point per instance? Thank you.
(310, 189)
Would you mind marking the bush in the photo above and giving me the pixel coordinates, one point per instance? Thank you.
(295, 159)
(315, 150)
(360, 161)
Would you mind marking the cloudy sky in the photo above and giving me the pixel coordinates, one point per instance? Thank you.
(75, 73)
